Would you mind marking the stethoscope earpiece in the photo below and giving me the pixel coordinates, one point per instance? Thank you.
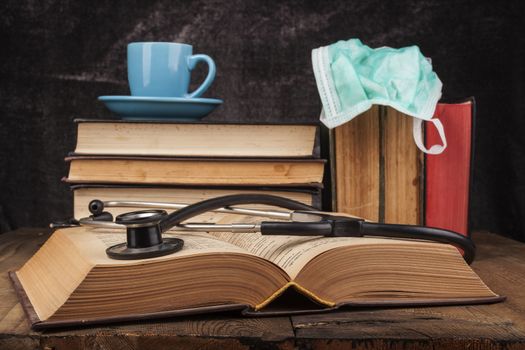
(96, 208)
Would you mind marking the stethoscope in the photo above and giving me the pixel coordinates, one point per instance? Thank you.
(144, 228)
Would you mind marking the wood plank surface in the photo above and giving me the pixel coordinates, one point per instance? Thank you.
(500, 263)
(202, 332)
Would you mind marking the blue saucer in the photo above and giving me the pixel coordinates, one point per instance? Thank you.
(144, 107)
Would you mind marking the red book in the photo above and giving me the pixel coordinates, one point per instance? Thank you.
(447, 178)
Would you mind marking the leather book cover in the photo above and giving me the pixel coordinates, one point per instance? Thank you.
(72, 156)
(448, 175)
(283, 308)
(306, 189)
(311, 185)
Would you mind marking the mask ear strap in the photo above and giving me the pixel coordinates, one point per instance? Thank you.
(417, 132)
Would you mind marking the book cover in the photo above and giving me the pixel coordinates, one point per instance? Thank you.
(448, 175)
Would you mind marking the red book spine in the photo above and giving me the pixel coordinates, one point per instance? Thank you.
(447, 178)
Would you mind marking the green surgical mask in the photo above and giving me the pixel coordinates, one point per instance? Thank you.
(351, 77)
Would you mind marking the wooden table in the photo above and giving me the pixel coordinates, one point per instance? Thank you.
(500, 263)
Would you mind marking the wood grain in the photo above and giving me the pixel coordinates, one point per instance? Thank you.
(15, 249)
(357, 165)
(402, 170)
(209, 332)
(500, 264)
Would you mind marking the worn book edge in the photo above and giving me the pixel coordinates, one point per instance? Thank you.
(315, 151)
(75, 156)
(313, 185)
(207, 122)
(306, 189)
(243, 309)
(300, 289)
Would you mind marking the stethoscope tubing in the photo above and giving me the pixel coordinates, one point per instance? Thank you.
(317, 223)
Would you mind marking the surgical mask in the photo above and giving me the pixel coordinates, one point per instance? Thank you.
(351, 77)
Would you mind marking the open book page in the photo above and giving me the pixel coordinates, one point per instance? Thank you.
(291, 253)
(93, 244)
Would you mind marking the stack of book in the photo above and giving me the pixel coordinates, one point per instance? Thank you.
(250, 273)
(185, 163)
(377, 171)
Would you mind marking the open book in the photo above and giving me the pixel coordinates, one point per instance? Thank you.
(70, 280)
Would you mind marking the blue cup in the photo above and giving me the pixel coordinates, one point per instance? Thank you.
(158, 69)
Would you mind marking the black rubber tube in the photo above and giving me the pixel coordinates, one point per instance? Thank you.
(320, 228)
(195, 209)
(421, 232)
(367, 228)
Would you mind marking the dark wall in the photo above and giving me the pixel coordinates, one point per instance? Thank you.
(58, 56)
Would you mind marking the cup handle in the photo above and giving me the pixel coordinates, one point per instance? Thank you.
(192, 62)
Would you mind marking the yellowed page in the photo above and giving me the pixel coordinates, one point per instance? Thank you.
(197, 140)
(47, 279)
(82, 196)
(292, 253)
(92, 243)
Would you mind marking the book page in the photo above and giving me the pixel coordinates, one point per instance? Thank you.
(291, 253)
(92, 243)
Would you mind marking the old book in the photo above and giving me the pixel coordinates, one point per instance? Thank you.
(448, 175)
(84, 193)
(195, 171)
(117, 137)
(71, 281)
(376, 168)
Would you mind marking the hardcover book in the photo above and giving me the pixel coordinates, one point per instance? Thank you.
(71, 281)
(195, 171)
(376, 168)
(175, 139)
(448, 175)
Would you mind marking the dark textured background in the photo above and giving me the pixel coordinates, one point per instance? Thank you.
(58, 56)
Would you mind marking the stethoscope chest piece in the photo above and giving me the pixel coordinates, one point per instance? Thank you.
(123, 252)
(144, 238)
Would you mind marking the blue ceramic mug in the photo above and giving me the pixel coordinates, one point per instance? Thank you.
(163, 70)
